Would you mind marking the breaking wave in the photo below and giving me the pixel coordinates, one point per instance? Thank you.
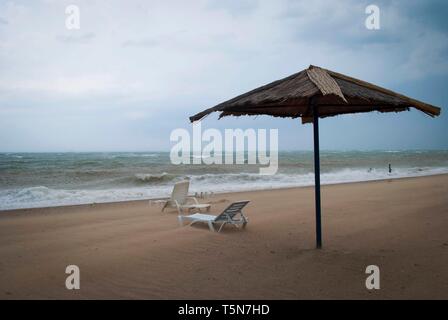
(145, 185)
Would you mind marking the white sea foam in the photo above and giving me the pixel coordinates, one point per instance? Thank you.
(46, 197)
(151, 177)
(41, 196)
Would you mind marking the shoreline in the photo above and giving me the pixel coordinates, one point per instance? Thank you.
(97, 204)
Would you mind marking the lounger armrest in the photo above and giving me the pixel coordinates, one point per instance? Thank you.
(194, 199)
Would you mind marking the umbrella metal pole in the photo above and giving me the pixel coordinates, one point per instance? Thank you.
(317, 173)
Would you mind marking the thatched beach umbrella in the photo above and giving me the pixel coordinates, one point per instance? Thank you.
(313, 93)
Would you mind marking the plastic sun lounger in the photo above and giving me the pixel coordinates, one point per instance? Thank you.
(179, 199)
(226, 217)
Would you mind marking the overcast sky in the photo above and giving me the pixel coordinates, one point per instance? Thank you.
(135, 70)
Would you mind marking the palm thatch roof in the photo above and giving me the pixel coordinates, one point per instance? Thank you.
(335, 94)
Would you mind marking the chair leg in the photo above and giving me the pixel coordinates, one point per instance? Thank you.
(244, 220)
(181, 221)
(210, 225)
(222, 225)
(194, 221)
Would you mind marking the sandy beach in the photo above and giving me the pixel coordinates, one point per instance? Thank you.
(132, 250)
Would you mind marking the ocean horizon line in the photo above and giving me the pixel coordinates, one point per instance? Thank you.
(281, 150)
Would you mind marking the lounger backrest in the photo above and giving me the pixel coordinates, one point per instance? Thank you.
(180, 192)
(232, 210)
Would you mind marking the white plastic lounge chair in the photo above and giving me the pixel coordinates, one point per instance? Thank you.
(227, 216)
(180, 199)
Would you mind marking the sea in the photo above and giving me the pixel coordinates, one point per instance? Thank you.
(29, 180)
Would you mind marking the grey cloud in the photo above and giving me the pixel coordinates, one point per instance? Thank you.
(140, 43)
(206, 53)
(398, 21)
(240, 7)
(429, 13)
(72, 38)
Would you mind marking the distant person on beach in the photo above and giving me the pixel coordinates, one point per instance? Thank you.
(390, 168)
